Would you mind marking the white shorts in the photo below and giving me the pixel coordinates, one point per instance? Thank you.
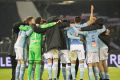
(77, 51)
(78, 47)
(103, 54)
(64, 56)
(52, 54)
(21, 53)
(92, 57)
(77, 54)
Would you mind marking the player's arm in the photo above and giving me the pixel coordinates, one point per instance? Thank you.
(28, 32)
(48, 25)
(90, 28)
(102, 30)
(92, 18)
(24, 28)
(44, 27)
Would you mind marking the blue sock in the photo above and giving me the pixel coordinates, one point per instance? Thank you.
(81, 67)
(50, 70)
(22, 71)
(90, 73)
(96, 73)
(107, 76)
(55, 69)
(73, 71)
(64, 72)
(41, 71)
(17, 72)
(102, 75)
(68, 72)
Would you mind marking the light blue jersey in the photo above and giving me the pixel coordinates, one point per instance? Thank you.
(92, 39)
(102, 44)
(71, 33)
(22, 36)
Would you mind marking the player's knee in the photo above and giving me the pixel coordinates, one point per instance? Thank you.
(81, 61)
(73, 62)
(49, 60)
(55, 60)
(37, 62)
(31, 62)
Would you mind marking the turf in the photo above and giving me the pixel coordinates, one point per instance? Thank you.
(5, 74)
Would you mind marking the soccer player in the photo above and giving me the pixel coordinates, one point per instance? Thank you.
(15, 31)
(103, 53)
(76, 45)
(21, 52)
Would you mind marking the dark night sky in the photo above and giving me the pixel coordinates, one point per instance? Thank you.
(9, 15)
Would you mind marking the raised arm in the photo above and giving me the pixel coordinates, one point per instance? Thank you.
(92, 18)
(47, 25)
(24, 27)
(44, 27)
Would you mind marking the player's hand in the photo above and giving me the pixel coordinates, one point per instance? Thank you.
(92, 7)
(59, 21)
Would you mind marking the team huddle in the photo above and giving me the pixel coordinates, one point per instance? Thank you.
(60, 39)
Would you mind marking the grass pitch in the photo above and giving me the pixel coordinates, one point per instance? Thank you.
(5, 74)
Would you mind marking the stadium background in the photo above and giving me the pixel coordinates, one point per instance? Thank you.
(12, 11)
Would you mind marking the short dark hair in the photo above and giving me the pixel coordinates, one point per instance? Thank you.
(38, 20)
(77, 19)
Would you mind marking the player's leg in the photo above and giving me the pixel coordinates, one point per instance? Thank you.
(55, 62)
(101, 69)
(37, 70)
(22, 70)
(49, 60)
(90, 71)
(37, 51)
(68, 71)
(33, 71)
(81, 57)
(106, 69)
(17, 51)
(73, 57)
(68, 65)
(89, 59)
(23, 63)
(30, 63)
(17, 70)
(63, 62)
(96, 71)
(96, 61)
(41, 68)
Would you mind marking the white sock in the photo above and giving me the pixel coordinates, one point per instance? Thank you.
(73, 71)
(81, 67)
(17, 71)
(68, 72)
(50, 70)
(64, 72)
(55, 69)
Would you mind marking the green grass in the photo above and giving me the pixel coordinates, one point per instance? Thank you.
(5, 74)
